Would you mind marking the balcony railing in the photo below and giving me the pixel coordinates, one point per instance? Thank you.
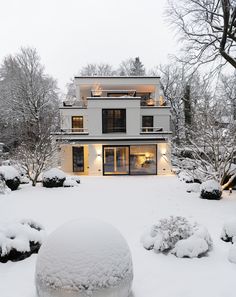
(151, 130)
(74, 131)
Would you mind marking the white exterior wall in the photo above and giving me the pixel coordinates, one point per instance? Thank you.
(161, 116)
(95, 159)
(66, 115)
(163, 158)
(132, 116)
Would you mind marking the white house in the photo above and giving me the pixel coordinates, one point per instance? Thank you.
(116, 126)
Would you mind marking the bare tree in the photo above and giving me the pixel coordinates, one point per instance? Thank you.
(30, 107)
(207, 28)
(227, 94)
(131, 67)
(211, 148)
(101, 69)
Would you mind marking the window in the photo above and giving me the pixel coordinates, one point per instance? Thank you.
(147, 124)
(78, 159)
(77, 124)
(143, 159)
(116, 160)
(113, 120)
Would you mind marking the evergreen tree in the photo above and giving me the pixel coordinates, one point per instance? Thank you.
(137, 68)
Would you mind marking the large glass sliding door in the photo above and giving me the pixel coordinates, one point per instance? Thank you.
(143, 159)
(116, 160)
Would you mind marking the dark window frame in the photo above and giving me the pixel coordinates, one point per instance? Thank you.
(146, 128)
(81, 129)
(129, 146)
(77, 148)
(109, 119)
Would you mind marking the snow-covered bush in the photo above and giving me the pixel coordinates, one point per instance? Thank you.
(232, 253)
(70, 181)
(11, 176)
(164, 235)
(3, 187)
(228, 233)
(178, 236)
(84, 258)
(190, 247)
(193, 187)
(19, 240)
(76, 178)
(211, 190)
(197, 245)
(53, 178)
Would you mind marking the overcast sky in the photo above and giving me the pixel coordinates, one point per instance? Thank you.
(68, 34)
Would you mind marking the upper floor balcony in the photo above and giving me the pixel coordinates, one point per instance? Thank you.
(146, 98)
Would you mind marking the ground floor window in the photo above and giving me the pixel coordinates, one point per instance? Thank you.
(132, 159)
(78, 159)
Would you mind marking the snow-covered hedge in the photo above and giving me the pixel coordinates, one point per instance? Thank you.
(19, 240)
(228, 233)
(211, 190)
(71, 181)
(53, 178)
(178, 236)
(84, 258)
(11, 176)
(193, 187)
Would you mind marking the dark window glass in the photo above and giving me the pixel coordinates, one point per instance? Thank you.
(77, 124)
(113, 120)
(78, 159)
(147, 123)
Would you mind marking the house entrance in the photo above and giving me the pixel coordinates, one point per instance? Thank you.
(116, 160)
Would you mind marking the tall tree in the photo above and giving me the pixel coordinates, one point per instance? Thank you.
(207, 29)
(94, 69)
(29, 105)
(131, 67)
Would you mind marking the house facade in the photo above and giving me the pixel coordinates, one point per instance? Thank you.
(115, 126)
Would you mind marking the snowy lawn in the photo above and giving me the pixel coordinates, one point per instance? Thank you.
(131, 204)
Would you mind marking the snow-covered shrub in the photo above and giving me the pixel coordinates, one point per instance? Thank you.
(232, 253)
(76, 178)
(3, 187)
(191, 247)
(84, 258)
(11, 177)
(53, 178)
(178, 236)
(228, 233)
(193, 187)
(184, 176)
(69, 182)
(211, 190)
(19, 240)
(164, 235)
(197, 245)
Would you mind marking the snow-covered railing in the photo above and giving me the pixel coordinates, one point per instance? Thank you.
(74, 130)
(151, 129)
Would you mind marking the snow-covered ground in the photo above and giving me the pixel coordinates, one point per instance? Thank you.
(131, 204)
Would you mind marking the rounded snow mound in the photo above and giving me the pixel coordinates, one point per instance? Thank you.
(211, 190)
(228, 233)
(54, 172)
(9, 172)
(232, 254)
(84, 258)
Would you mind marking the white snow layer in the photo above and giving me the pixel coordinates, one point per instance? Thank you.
(193, 187)
(69, 182)
(210, 185)
(17, 235)
(54, 172)
(9, 172)
(84, 257)
(232, 253)
(229, 230)
(191, 247)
